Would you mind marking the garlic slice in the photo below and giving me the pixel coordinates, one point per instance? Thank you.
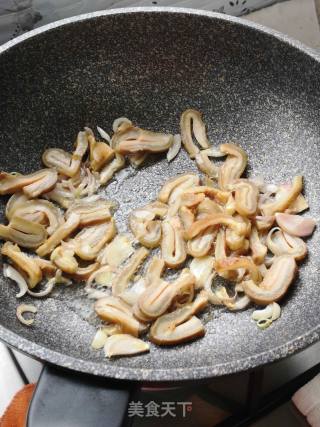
(107, 172)
(117, 251)
(102, 335)
(103, 276)
(295, 225)
(104, 134)
(121, 280)
(124, 345)
(202, 269)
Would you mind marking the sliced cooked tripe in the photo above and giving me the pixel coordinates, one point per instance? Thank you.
(299, 205)
(191, 124)
(66, 163)
(264, 223)
(124, 345)
(46, 266)
(90, 240)
(154, 270)
(91, 212)
(145, 223)
(285, 198)
(211, 192)
(180, 325)
(234, 241)
(209, 207)
(275, 283)
(107, 172)
(246, 197)
(113, 309)
(186, 216)
(230, 206)
(23, 232)
(32, 185)
(51, 213)
(214, 220)
(281, 243)
(83, 273)
(234, 263)
(191, 200)
(153, 274)
(205, 165)
(175, 186)
(122, 279)
(200, 245)
(258, 249)
(234, 165)
(24, 263)
(100, 153)
(60, 234)
(16, 200)
(159, 295)
(136, 160)
(64, 259)
(131, 140)
(173, 247)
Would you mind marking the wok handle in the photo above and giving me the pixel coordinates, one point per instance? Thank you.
(67, 398)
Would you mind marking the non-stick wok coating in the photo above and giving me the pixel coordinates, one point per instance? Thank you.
(252, 87)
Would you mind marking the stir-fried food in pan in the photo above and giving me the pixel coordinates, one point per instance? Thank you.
(213, 238)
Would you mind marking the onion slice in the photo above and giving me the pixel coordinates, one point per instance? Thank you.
(25, 308)
(13, 274)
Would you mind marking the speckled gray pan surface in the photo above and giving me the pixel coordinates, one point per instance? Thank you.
(252, 87)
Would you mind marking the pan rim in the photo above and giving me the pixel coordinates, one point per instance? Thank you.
(173, 374)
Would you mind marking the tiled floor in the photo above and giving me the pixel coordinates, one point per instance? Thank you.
(298, 19)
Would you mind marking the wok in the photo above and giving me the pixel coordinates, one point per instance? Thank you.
(253, 85)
